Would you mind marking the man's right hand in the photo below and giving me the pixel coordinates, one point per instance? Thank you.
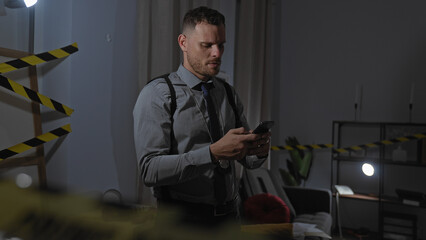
(233, 146)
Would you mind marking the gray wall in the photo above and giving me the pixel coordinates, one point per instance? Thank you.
(100, 83)
(327, 49)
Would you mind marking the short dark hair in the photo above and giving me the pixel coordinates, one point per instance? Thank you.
(202, 14)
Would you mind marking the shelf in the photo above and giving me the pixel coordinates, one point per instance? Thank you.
(379, 123)
(358, 196)
(347, 133)
(375, 198)
(355, 159)
(408, 163)
(376, 160)
(398, 201)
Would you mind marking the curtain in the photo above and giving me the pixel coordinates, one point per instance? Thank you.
(254, 64)
(159, 26)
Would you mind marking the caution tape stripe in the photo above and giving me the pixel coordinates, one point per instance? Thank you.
(38, 58)
(35, 96)
(301, 147)
(417, 136)
(34, 142)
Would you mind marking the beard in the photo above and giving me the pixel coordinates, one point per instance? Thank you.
(202, 68)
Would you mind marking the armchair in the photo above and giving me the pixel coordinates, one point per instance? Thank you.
(312, 206)
(306, 205)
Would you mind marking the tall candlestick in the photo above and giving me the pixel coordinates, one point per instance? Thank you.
(357, 94)
(412, 93)
(357, 103)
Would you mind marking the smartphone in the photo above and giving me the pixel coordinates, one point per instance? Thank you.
(263, 127)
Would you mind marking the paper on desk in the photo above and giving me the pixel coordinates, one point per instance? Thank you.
(301, 230)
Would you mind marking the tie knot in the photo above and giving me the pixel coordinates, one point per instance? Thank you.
(206, 87)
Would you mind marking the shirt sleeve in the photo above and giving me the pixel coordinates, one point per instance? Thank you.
(152, 128)
(253, 161)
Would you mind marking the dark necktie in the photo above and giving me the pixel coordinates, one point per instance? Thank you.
(214, 127)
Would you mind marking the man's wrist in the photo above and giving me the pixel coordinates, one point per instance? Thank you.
(212, 157)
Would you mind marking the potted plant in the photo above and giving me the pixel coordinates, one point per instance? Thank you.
(298, 166)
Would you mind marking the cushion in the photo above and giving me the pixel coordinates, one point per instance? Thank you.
(322, 220)
(261, 180)
(266, 208)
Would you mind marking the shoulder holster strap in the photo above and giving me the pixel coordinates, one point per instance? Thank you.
(172, 104)
(231, 101)
(162, 191)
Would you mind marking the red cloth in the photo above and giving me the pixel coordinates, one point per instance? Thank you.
(266, 208)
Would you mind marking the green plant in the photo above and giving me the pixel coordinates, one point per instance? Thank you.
(299, 166)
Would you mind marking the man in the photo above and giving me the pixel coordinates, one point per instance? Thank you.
(189, 157)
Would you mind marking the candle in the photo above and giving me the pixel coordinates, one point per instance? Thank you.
(356, 94)
(412, 93)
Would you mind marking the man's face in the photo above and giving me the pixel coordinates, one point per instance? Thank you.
(203, 48)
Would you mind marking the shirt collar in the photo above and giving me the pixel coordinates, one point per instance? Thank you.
(189, 78)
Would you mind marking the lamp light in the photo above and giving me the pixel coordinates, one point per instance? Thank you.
(368, 169)
(30, 3)
(19, 3)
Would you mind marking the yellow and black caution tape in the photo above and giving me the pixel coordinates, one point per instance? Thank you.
(301, 147)
(38, 58)
(35, 96)
(381, 143)
(34, 142)
(32, 61)
(352, 148)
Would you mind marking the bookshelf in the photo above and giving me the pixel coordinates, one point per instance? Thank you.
(390, 162)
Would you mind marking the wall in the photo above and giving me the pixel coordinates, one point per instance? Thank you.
(16, 121)
(53, 30)
(327, 49)
(99, 82)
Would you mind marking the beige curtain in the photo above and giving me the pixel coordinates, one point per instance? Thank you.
(159, 26)
(254, 68)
